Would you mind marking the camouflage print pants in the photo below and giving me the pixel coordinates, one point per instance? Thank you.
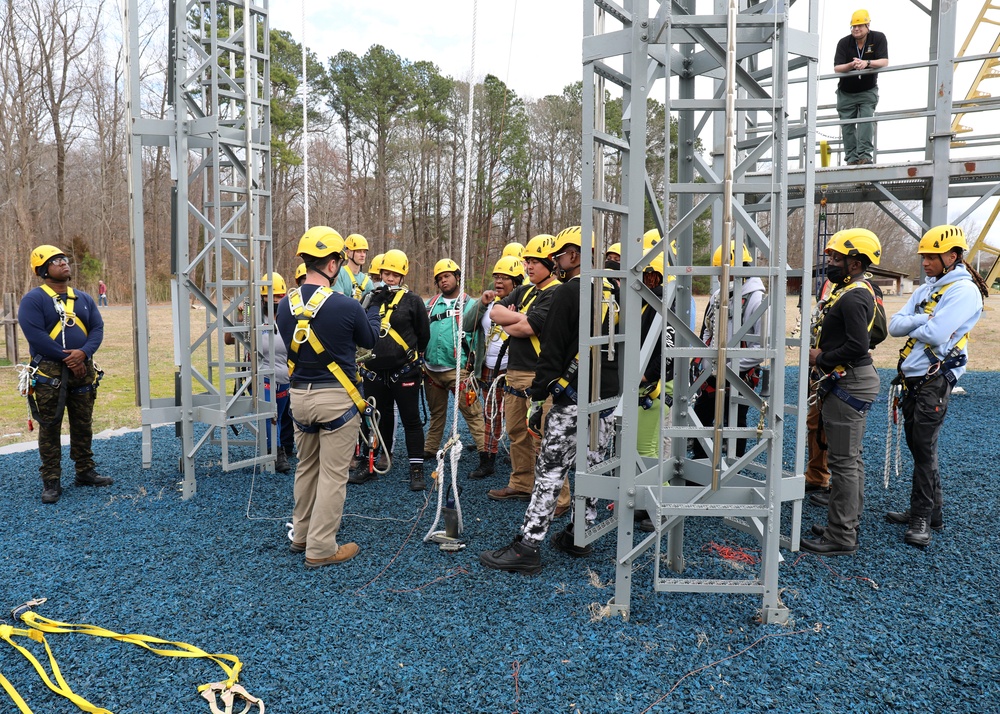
(79, 406)
(556, 456)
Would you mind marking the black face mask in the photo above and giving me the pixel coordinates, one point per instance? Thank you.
(612, 264)
(835, 274)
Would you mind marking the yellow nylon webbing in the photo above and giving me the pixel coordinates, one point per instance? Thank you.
(386, 314)
(525, 305)
(230, 664)
(932, 302)
(834, 297)
(68, 307)
(305, 313)
(60, 687)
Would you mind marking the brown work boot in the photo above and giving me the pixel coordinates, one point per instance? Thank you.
(343, 554)
(508, 494)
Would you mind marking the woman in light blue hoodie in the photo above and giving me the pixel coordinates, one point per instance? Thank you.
(937, 320)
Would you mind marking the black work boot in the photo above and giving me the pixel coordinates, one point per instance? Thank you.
(417, 482)
(903, 518)
(919, 532)
(518, 557)
(486, 464)
(91, 478)
(281, 464)
(563, 541)
(51, 491)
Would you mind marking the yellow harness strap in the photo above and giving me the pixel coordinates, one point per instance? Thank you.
(834, 297)
(386, 314)
(525, 305)
(70, 316)
(359, 289)
(304, 313)
(929, 306)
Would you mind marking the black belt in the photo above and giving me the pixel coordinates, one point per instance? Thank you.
(315, 385)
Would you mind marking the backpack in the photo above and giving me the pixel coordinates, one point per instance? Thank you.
(880, 326)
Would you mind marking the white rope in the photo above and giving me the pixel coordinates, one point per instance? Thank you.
(454, 445)
(305, 123)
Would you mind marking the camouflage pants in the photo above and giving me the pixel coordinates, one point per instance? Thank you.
(556, 456)
(79, 406)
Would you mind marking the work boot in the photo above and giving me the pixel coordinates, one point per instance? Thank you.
(355, 462)
(518, 557)
(361, 475)
(919, 532)
(903, 518)
(563, 541)
(51, 491)
(281, 464)
(417, 482)
(91, 478)
(485, 468)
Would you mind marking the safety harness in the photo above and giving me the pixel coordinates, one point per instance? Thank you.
(943, 366)
(304, 313)
(359, 288)
(226, 692)
(827, 383)
(31, 376)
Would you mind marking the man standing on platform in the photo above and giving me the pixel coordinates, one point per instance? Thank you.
(857, 94)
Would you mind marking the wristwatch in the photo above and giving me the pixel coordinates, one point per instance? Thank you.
(868, 66)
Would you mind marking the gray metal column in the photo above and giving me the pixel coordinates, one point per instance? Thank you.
(218, 135)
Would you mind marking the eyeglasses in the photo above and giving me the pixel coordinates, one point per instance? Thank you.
(854, 27)
(62, 259)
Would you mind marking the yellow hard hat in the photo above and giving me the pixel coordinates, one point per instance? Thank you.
(615, 248)
(856, 241)
(395, 261)
(514, 248)
(446, 265)
(43, 254)
(277, 284)
(717, 255)
(510, 265)
(539, 247)
(941, 239)
(376, 266)
(651, 238)
(861, 17)
(320, 241)
(300, 272)
(567, 237)
(356, 241)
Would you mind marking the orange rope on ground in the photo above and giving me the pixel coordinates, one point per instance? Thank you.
(517, 687)
(734, 553)
(416, 522)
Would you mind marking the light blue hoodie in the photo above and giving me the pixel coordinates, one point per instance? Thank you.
(954, 316)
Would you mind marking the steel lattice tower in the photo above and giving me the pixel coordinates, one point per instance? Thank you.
(219, 141)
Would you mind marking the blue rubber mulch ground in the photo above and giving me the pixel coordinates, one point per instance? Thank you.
(434, 632)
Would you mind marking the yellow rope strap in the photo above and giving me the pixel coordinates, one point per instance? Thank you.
(68, 317)
(386, 313)
(60, 687)
(533, 292)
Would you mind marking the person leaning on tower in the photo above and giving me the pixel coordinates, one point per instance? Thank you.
(857, 94)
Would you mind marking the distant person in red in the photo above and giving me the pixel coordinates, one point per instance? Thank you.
(857, 94)
(102, 294)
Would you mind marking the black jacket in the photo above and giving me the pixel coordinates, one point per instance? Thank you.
(844, 337)
(561, 344)
(409, 319)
